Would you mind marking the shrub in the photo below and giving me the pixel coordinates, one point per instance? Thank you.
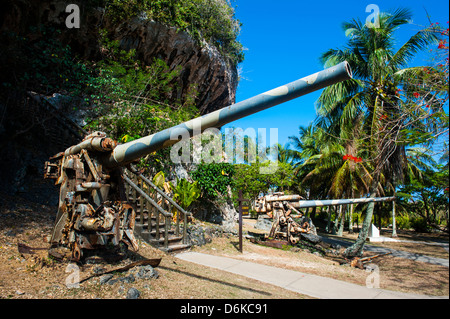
(420, 225)
(402, 222)
(214, 178)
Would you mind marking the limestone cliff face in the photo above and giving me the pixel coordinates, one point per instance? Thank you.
(24, 154)
(201, 64)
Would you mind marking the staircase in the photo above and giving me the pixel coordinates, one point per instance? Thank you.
(160, 221)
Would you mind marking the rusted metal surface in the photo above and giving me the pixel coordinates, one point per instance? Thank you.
(93, 210)
(274, 243)
(280, 207)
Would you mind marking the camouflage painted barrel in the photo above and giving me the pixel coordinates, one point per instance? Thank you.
(133, 150)
(331, 202)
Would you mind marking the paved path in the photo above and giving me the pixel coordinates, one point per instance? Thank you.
(311, 285)
(396, 253)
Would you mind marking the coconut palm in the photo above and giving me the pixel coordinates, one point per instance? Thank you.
(306, 146)
(370, 101)
(284, 153)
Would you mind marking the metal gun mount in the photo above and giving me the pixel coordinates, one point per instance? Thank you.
(280, 206)
(93, 211)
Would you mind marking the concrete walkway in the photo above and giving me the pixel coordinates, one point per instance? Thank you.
(311, 285)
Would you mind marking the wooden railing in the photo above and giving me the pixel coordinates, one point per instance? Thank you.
(158, 217)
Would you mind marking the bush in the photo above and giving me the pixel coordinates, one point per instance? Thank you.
(214, 178)
(402, 222)
(420, 225)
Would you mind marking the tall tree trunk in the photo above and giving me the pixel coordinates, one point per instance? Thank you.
(313, 213)
(329, 220)
(357, 248)
(342, 220)
(380, 216)
(350, 219)
(394, 227)
(336, 221)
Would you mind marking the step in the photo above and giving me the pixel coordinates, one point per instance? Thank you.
(138, 213)
(145, 225)
(152, 234)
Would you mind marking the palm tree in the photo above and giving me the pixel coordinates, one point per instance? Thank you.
(370, 100)
(306, 146)
(284, 153)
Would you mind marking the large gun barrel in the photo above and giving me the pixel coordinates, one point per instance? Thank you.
(133, 150)
(330, 202)
(266, 203)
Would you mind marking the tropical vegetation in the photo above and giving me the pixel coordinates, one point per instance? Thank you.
(367, 128)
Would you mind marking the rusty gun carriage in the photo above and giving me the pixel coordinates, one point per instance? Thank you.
(93, 210)
(292, 227)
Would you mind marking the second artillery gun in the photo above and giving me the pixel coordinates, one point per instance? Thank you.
(289, 223)
(93, 210)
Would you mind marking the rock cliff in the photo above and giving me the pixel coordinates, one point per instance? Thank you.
(25, 151)
(202, 66)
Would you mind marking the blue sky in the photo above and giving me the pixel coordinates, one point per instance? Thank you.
(284, 40)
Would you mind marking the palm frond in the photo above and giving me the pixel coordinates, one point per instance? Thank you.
(418, 42)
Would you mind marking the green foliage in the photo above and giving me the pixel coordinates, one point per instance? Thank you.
(134, 100)
(252, 180)
(185, 193)
(420, 225)
(41, 63)
(425, 196)
(402, 222)
(132, 118)
(212, 21)
(159, 180)
(214, 178)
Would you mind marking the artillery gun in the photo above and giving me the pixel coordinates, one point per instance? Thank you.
(93, 211)
(279, 207)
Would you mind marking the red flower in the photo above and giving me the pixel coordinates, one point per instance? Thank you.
(352, 158)
(441, 45)
(416, 95)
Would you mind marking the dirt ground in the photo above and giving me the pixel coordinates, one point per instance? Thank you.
(395, 273)
(36, 276)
